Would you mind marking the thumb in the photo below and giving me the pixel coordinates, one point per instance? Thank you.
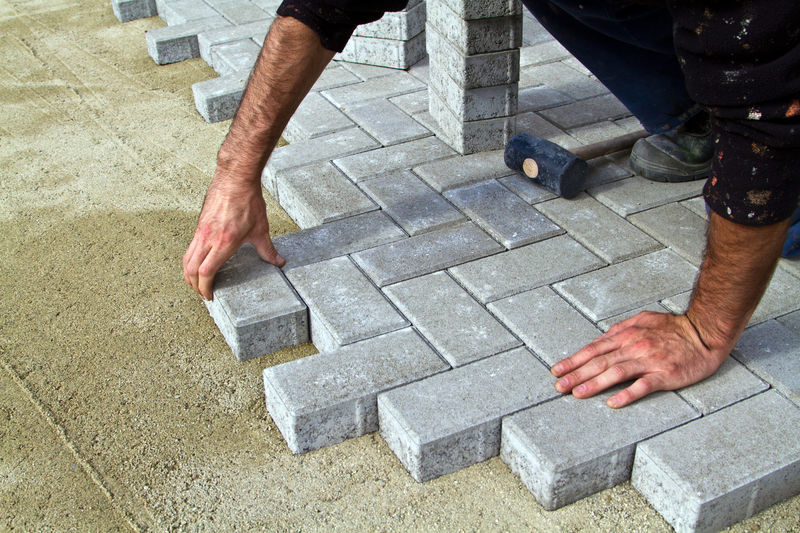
(265, 248)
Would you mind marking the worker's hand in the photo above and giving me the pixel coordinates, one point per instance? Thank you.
(659, 351)
(233, 214)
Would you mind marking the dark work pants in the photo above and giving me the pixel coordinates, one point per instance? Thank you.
(629, 48)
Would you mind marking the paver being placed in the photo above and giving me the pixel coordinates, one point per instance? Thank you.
(425, 253)
(386, 122)
(411, 203)
(218, 99)
(548, 325)
(456, 325)
(452, 420)
(336, 239)
(599, 450)
(327, 398)
(722, 468)
(676, 227)
(255, 308)
(598, 228)
(526, 268)
(319, 193)
(731, 383)
(624, 286)
(770, 350)
(177, 43)
(461, 171)
(502, 214)
(370, 164)
(343, 301)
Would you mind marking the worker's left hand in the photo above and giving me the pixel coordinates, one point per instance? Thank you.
(659, 351)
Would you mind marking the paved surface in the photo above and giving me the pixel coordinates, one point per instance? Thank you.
(502, 279)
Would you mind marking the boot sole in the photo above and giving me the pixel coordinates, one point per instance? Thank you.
(669, 174)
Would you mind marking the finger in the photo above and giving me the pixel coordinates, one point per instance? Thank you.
(591, 351)
(266, 249)
(616, 374)
(211, 264)
(638, 389)
(192, 269)
(187, 274)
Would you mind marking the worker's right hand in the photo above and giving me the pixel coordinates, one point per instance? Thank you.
(233, 214)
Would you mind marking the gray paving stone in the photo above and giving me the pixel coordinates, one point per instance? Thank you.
(458, 172)
(731, 383)
(386, 122)
(624, 286)
(319, 193)
(526, 268)
(452, 420)
(679, 303)
(327, 398)
(533, 32)
(384, 52)
(177, 43)
(603, 170)
(411, 203)
(562, 78)
(381, 87)
(472, 136)
(183, 11)
(471, 10)
(270, 6)
(342, 143)
(598, 228)
(632, 195)
(460, 329)
(479, 36)
(335, 239)
(770, 350)
(792, 266)
(606, 324)
(502, 214)
(400, 26)
(542, 52)
(227, 34)
(782, 296)
(533, 123)
(598, 132)
(527, 189)
(676, 227)
(791, 321)
(334, 76)
(697, 206)
(473, 104)
(218, 99)
(722, 468)
(420, 69)
(398, 157)
(426, 253)
(412, 103)
(548, 325)
(367, 72)
(233, 57)
(347, 305)
(599, 452)
(472, 71)
(127, 10)
(255, 308)
(427, 120)
(586, 112)
(538, 98)
(315, 117)
(242, 11)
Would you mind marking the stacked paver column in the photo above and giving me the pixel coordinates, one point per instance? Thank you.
(474, 69)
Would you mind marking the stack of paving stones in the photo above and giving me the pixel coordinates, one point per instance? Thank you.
(474, 69)
(439, 288)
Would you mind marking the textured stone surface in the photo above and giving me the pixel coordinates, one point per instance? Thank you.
(400, 26)
(218, 99)
(254, 307)
(127, 10)
(177, 43)
(376, 162)
(632, 195)
(722, 468)
(481, 9)
(233, 57)
(731, 383)
(326, 398)
(478, 36)
(457, 172)
(386, 122)
(210, 38)
(426, 253)
(453, 322)
(676, 227)
(502, 214)
(473, 104)
(471, 71)
(600, 449)
(384, 52)
(772, 352)
(382, 87)
(474, 135)
(315, 117)
(450, 421)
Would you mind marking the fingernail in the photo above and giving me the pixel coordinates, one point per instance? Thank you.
(557, 368)
(613, 402)
(563, 383)
(580, 389)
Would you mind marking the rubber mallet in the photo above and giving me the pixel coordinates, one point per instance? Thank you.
(560, 171)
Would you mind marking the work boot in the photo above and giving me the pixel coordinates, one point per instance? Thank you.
(683, 154)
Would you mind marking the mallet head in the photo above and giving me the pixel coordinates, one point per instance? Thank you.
(553, 167)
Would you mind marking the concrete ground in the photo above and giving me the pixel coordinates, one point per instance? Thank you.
(121, 406)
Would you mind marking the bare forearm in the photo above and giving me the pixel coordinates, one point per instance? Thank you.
(740, 261)
(290, 62)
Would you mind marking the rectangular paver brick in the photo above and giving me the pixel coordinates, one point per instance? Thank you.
(327, 398)
(731, 383)
(242, 11)
(127, 10)
(676, 227)
(315, 117)
(213, 37)
(461, 171)
(471, 136)
(473, 104)
(347, 305)
(384, 52)
(450, 319)
(425, 253)
(472, 71)
(548, 325)
(319, 193)
(598, 228)
(373, 163)
(503, 214)
(560, 77)
(412, 103)
(633, 195)
(526, 268)
(400, 26)
(450, 421)
(411, 203)
(772, 352)
(177, 43)
(478, 36)
(255, 308)
(527, 189)
(586, 112)
(382, 87)
(624, 286)
(722, 468)
(183, 11)
(335, 76)
(481, 9)
(218, 99)
(386, 122)
(235, 56)
(337, 238)
(599, 452)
